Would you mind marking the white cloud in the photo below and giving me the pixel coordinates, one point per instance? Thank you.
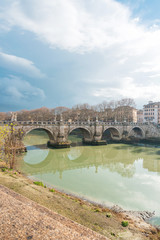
(80, 26)
(15, 90)
(149, 179)
(104, 27)
(74, 25)
(129, 89)
(20, 65)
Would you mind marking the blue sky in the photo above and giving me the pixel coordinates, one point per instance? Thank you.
(65, 52)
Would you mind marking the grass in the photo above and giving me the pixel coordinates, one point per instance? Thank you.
(52, 190)
(39, 184)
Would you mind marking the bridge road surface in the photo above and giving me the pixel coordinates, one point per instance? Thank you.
(21, 218)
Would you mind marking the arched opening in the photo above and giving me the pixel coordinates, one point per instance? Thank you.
(37, 138)
(78, 135)
(111, 134)
(136, 132)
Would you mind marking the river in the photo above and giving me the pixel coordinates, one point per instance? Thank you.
(121, 174)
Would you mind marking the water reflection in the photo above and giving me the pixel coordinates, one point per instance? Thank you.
(116, 158)
(78, 157)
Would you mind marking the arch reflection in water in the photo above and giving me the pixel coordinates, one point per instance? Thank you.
(117, 158)
(116, 173)
(75, 153)
(35, 142)
(78, 158)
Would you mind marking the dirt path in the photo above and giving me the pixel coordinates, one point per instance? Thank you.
(21, 218)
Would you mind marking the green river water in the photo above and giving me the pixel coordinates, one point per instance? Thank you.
(121, 174)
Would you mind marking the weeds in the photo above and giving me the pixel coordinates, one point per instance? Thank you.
(124, 223)
(108, 215)
(97, 210)
(39, 184)
(52, 190)
(3, 169)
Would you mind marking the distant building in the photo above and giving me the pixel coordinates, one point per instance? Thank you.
(140, 116)
(125, 114)
(134, 115)
(151, 112)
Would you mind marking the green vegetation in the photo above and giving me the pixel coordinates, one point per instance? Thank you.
(97, 210)
(3, 169)
(108, 215)
(52, 190)
(113, 234)
(124, 223)
(39, 184)
(10, 144)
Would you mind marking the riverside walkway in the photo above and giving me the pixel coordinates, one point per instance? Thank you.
(22, 218)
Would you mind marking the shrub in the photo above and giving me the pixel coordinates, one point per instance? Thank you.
(39, 184)
(10, 144)
(113, 234)
(52, 190)
(108, 215)
(124, 223)
(97, 210)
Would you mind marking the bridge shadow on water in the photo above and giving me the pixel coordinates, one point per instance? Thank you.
(36, 146)
(77, 144)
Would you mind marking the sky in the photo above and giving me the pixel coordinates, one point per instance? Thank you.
(67, 52)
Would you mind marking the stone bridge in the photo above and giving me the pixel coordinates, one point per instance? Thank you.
(93, 132)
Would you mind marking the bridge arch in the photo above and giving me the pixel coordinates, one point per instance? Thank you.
(84, 131)
(51, 135)
(137, 132)
(111, 133)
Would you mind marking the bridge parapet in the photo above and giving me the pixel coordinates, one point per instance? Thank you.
(76, 123)
(59, 131)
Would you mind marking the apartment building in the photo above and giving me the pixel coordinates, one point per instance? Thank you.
(126, 113)
(151, 112)
(140, 116)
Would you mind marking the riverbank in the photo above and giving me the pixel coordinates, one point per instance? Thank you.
(105, 221)
(37, 222)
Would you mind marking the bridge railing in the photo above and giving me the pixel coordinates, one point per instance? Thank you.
(28, 123)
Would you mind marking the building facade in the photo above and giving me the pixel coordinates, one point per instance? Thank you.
(151, 112)
(125, 114)
(140, 116)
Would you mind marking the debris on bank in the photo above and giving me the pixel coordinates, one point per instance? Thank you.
(143, 215)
